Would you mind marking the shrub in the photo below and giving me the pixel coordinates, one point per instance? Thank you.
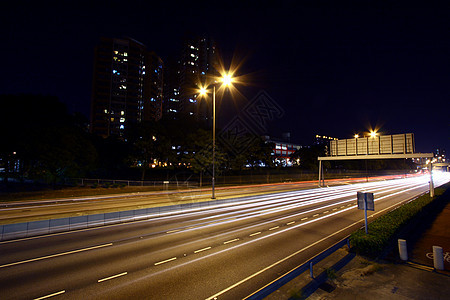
(381, 231)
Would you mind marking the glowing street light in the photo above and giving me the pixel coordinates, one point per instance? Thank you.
(227, 81)
(356, 136)
(373, 134)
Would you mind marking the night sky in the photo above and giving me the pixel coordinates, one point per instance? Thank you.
(335, 69)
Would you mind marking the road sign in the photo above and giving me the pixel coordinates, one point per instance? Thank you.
(365, 202)
(373, 146)
(368, 198)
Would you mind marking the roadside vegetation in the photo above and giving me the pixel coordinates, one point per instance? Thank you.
(383, 230)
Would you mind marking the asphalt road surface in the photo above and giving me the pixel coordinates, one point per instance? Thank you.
(224, 251)
(34, 210)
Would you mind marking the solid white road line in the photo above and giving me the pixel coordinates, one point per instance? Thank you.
(55, 255)
(111, 277)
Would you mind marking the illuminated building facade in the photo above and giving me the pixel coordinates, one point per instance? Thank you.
(127, 86)
(283, 149)
(193, 68)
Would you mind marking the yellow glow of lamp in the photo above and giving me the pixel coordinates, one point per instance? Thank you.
(203, 91)
(356, 136)
(227, 79)
(373, 134)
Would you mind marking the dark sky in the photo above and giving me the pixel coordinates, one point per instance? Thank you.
(336, 68)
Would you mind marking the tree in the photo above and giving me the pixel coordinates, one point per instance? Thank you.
(308, 157)
(44, 137)
(149, 145)
(199, 153)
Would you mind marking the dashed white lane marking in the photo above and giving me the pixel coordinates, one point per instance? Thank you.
(203, 249)
(256, 233)
(112, 277)
(51, 295)
(316, 215)
(55, 255)
(230, 241)
(290, 223)
(164, 261)
(273, 228)
(303, 219)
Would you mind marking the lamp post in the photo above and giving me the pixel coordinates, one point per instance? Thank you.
(213, 180)
(226, 80)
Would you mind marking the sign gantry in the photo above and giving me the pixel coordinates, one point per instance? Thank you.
(374, 147)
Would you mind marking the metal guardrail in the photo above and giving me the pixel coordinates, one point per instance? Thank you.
(278, 283)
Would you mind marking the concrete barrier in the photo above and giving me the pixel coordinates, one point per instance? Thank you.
(35, 228)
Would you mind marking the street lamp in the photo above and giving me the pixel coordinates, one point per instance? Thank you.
(227, 81)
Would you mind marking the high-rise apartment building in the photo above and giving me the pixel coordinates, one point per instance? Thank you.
(127, 86)
(194, 67)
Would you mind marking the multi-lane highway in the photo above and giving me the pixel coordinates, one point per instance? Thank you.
(226, 251)
(33, 210)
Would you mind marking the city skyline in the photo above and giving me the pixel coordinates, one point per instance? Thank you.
(359, 66)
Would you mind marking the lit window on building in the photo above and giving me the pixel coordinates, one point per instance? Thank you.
(122, 120)
(122, 113)
(125, 54)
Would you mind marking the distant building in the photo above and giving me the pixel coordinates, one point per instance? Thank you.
(283, 149)
(324, 141)
(440, 155)
(171, 103)
(193, 68)
(127, 86)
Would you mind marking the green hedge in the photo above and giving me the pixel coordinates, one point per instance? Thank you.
(381, 230)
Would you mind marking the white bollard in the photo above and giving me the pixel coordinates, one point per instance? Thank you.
(438, 258)
(402, 249)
